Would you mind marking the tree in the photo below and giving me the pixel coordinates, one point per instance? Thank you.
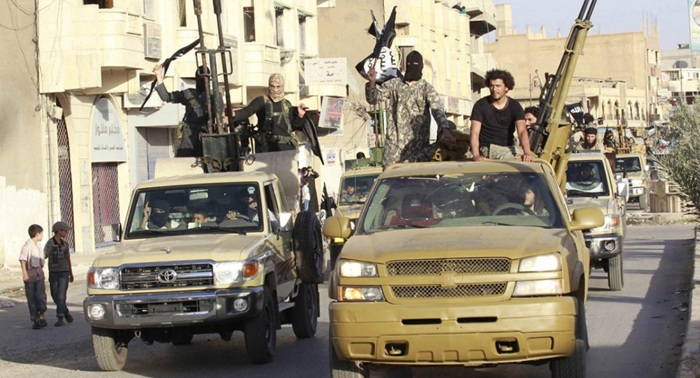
(683, 160)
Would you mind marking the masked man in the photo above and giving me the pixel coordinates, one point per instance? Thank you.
(410, 100)
(276, 118)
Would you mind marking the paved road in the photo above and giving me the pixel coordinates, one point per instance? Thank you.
(634, 333)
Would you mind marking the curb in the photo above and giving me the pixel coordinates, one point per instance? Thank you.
(690, 356)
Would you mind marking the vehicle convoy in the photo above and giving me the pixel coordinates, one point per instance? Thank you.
(214, 252)
(633, 167)
(465, 263)
(590, 182)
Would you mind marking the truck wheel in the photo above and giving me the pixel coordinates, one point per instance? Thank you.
(261, 333)
(307, 235)
(305, 311)
(575, 365)
(341, 368)
(109, 352)
(615, 278)
(182, 338)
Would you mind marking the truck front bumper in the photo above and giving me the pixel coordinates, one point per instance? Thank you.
(171, 309)
(522, 329)
(604, 246)
(637, 191)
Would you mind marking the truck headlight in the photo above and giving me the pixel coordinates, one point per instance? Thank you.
(611, 222)
(103, 278)
(234, 271)
(543, 263)
(361, 294)
(349, 268)
(540, 287)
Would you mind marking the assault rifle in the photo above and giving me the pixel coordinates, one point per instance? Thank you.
(550, 138)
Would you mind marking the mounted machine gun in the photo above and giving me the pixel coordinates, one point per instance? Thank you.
(550, 138)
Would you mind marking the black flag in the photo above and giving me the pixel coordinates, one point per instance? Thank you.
(386, 67)
(576, 111)
(166, 64)
(309, 131)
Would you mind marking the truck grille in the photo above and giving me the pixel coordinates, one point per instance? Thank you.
(448, 267)
(436, 267)
(166, 276)
(460, 291)
(162, 308)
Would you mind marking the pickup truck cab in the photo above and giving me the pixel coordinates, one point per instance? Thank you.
(206, 253)
(590, 182)
(455, 263)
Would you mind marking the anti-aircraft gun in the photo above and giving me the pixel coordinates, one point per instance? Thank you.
(550, 138)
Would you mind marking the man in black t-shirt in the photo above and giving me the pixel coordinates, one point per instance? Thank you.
(494, 120)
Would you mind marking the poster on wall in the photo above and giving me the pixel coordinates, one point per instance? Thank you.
(694, 13)
(331, 112)
(107, 141)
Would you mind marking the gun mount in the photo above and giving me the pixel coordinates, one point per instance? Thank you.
(549, 139)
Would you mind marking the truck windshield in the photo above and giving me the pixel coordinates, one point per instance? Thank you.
(628, 164)
(203, 208)
(458, 200)
(356, 188)
(586, 179)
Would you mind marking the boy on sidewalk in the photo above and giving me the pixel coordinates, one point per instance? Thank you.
(60, 270)
(33, 276)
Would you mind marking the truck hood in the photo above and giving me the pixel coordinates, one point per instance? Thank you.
(604, 204)
(351, 211)
(436, 243)
(215, 247)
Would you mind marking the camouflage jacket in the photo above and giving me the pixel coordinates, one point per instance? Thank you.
(407, 134)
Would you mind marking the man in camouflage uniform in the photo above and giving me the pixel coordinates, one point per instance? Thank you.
(196, 115)
(276, 118)
(410, 100)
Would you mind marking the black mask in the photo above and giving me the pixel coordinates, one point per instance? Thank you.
(159, 219)
(414, 66)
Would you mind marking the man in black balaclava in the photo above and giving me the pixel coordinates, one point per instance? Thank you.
(196, 115)
(414, 66)
(156, 215)
(410, 101)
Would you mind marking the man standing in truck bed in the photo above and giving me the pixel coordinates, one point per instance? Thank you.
(495, 118)
(276, 118)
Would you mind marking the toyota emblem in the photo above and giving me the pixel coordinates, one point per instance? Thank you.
(167, 276)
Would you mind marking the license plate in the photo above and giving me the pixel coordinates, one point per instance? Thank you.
(166, 307)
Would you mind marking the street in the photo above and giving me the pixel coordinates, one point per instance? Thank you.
(637, 332)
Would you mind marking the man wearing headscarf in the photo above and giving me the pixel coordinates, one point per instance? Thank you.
(589, 141)
(410, 100)
(276, 118)
(196, 115)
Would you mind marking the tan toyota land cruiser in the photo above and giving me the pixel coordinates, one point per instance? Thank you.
(206, 253)
(590, 182)
(461, 263)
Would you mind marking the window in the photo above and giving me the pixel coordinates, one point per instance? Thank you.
(279, 27)
(249, 24)
(302, 33)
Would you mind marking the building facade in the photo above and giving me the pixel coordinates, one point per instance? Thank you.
(616, 78)
(75, 142)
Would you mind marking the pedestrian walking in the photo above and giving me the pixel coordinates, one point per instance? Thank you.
(33, 277)
(57, 252)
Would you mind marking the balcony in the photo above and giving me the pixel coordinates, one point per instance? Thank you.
(482, 16)
(261, 61)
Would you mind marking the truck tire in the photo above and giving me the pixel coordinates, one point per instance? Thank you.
(574, 366)
(305, 311)
(615, 278)
(109, 352)
(261, 333)
(309, 242)
(341, 368)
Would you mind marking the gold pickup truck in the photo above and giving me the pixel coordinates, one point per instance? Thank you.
(461, 263)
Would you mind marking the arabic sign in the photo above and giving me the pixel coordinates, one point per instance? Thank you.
(333, 71)
(694, 13)
(107, 141)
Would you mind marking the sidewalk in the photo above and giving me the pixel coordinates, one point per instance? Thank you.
(690, 359)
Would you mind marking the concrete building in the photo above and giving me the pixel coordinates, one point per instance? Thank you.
(447, 33)
(616, 78)
(74, 141)
(680, 78)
